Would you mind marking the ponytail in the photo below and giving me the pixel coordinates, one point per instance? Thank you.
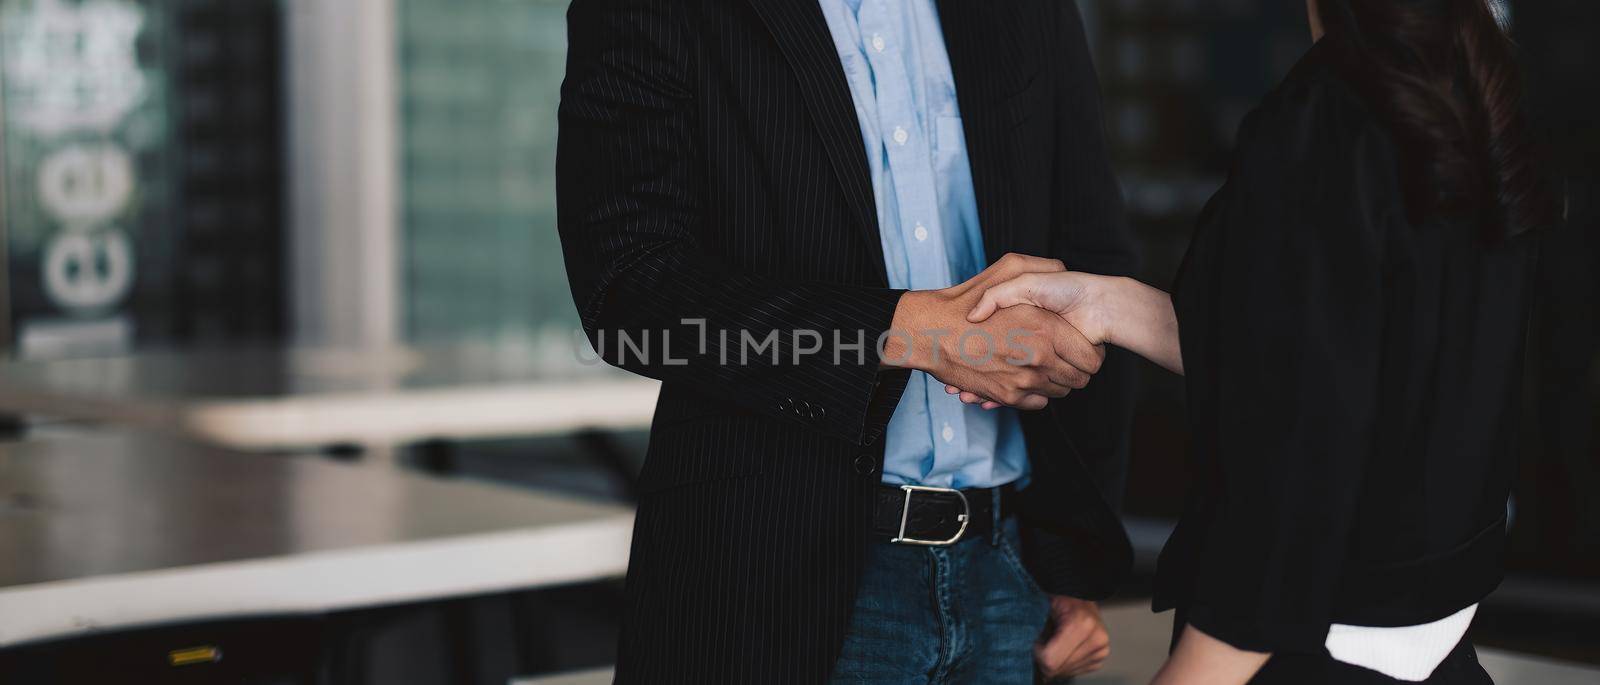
(1444, 76)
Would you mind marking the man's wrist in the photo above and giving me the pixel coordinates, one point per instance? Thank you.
(906, 346)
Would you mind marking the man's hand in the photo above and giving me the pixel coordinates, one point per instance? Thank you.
(1069, 294)
(1008, 267)
(1021, 356)
(1075, 642)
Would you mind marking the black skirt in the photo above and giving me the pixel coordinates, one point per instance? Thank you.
(1460, 668)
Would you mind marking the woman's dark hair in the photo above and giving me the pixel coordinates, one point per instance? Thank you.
(1444, 76)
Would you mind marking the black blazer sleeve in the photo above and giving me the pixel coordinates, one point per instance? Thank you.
(1284, 358)
(628, 170)
(1091, 234)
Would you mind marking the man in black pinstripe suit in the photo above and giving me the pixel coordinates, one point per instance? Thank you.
(726, 230)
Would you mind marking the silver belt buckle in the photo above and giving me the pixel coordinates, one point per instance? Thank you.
(905, 513)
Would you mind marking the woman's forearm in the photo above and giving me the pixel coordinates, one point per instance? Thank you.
(1140, 319)
(1200, 659)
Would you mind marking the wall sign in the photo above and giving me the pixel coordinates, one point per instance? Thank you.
(81, 106)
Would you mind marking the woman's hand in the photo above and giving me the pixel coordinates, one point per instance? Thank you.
(1104, 309)
(1071, 294)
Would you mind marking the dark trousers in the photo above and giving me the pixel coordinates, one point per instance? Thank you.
(967, 614)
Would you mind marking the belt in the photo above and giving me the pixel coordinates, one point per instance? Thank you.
(934, 517)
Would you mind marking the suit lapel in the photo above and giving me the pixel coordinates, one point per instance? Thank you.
(802, 34)
(976, 42)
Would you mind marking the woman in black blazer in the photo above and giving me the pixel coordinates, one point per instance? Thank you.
(1352, 310)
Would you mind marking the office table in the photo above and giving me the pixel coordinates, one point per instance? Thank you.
(293, 398)
(115, 531)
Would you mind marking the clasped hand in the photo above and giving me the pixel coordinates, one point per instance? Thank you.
(990, 341)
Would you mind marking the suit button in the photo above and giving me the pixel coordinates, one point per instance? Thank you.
(866, 464)
(818, 412)
(802, 409)
(786, 404)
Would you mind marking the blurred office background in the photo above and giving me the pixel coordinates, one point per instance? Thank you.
(241, 200)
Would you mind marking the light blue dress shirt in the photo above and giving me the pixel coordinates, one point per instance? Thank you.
(894, 57)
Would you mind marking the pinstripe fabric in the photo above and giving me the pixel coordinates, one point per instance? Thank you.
(710, 168)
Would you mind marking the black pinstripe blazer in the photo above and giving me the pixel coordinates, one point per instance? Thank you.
(712, 183)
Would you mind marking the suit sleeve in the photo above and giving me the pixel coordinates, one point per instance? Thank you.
(1091, 234)
(630, 197)
(1295, 357)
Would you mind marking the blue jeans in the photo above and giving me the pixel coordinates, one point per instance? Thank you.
(968, 613)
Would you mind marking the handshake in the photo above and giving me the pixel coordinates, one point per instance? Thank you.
(1019, 334)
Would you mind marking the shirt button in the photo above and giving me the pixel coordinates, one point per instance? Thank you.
(948, 433)
(865, 464)
(921, 232)
(900, 135)
(877, 42)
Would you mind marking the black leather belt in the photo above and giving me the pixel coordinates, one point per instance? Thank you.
(934, 517)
